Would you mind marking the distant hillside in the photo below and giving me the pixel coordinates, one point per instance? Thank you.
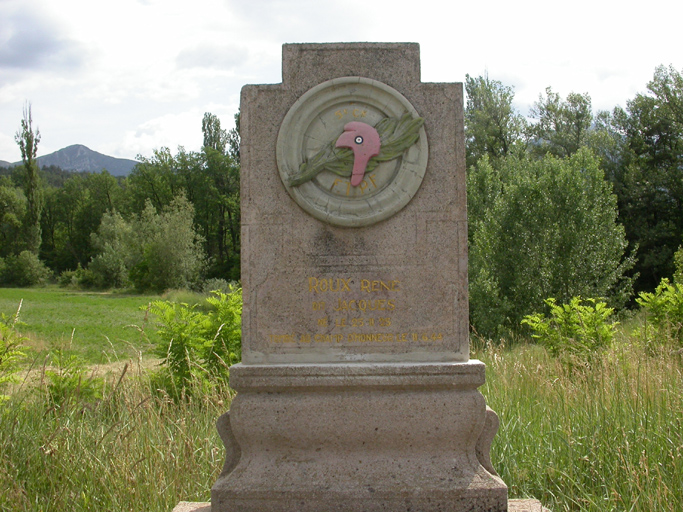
(5, 164)
(82, 159)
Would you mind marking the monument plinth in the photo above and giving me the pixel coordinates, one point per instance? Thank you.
(355, 390)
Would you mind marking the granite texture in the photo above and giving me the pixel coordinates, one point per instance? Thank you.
(392, 291)
(355, 391)
(390, 437)
(525, 505)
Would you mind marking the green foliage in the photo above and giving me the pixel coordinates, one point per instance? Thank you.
(664, 310)
(153, 251)
(214, 136)
(28, 140)
(678, 262)
(578, 328)
(234, 140)
(210, 180)
(172, 256)
(493, 127)
(542, 228)
(649, 178)
(24, 269)
(216, 284)
(11, 350)
(12, 213)
(67, 381)
(79, 278)
(562, 126)
(117, 249)
(197, 346)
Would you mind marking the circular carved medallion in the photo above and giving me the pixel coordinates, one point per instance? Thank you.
(328, 158)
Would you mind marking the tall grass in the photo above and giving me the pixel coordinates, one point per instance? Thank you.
(603, 436)
(134, 449)
(608, 437)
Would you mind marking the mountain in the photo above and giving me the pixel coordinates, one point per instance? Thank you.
(5, 164)
(80, 158)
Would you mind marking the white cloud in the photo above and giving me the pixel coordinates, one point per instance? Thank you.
(132, 75)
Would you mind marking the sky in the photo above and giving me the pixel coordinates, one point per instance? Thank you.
(127, 77)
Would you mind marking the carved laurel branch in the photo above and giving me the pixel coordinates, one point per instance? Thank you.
(396, 135)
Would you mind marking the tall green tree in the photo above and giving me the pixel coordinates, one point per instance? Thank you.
(72, 212)
(545, 228)
(649, 178)
(562, 126)
(492, 125)
(234, 140)
(214, 136)
(222, 199)
(153, 250)
(28, 140)
(12, 213)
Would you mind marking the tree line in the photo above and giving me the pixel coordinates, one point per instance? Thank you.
(563, 203)
(173, 222)
(570, 202)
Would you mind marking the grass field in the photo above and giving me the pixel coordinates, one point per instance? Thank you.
(604, 437)
(99, 327)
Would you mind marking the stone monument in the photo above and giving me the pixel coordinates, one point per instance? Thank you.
(355, 391)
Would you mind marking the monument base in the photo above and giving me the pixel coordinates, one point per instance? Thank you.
(358, 437)
(513, 506)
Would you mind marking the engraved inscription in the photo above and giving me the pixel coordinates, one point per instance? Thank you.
(353, 311)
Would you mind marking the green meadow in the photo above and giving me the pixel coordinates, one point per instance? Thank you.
(99, 327)
(603, 436)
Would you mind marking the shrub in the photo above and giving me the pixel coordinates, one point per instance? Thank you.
(196, 346)
(216, 284)
(67, 380)
(542, 228)
(664, 309)
(25, 270)
(577, 329)
(153, 251)
(81, 277)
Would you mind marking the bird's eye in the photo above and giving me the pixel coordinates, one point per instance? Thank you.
(359, 140)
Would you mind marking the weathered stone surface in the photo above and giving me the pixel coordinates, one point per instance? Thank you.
(359, 437)
(513, 506)
(192, 506)
(355, 391)
(304, 280)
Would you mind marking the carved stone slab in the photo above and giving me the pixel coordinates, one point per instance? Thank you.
(339, 273)
(355, 390)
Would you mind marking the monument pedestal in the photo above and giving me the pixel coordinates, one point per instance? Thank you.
(358, 437)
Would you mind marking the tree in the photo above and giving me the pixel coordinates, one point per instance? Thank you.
(549, 229)
(118, 250)
(234, 140)
(210, 181)
(28, 141)
(649, 179)
(12, 213)
(152, 251)
(492, 126)
(172, 255)
(561, 127)
(214, 137)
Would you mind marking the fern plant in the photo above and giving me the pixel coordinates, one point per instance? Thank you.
(198, 347)
(578, 328)
(664, 310)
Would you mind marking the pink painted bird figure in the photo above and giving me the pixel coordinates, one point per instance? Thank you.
(364, 141)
